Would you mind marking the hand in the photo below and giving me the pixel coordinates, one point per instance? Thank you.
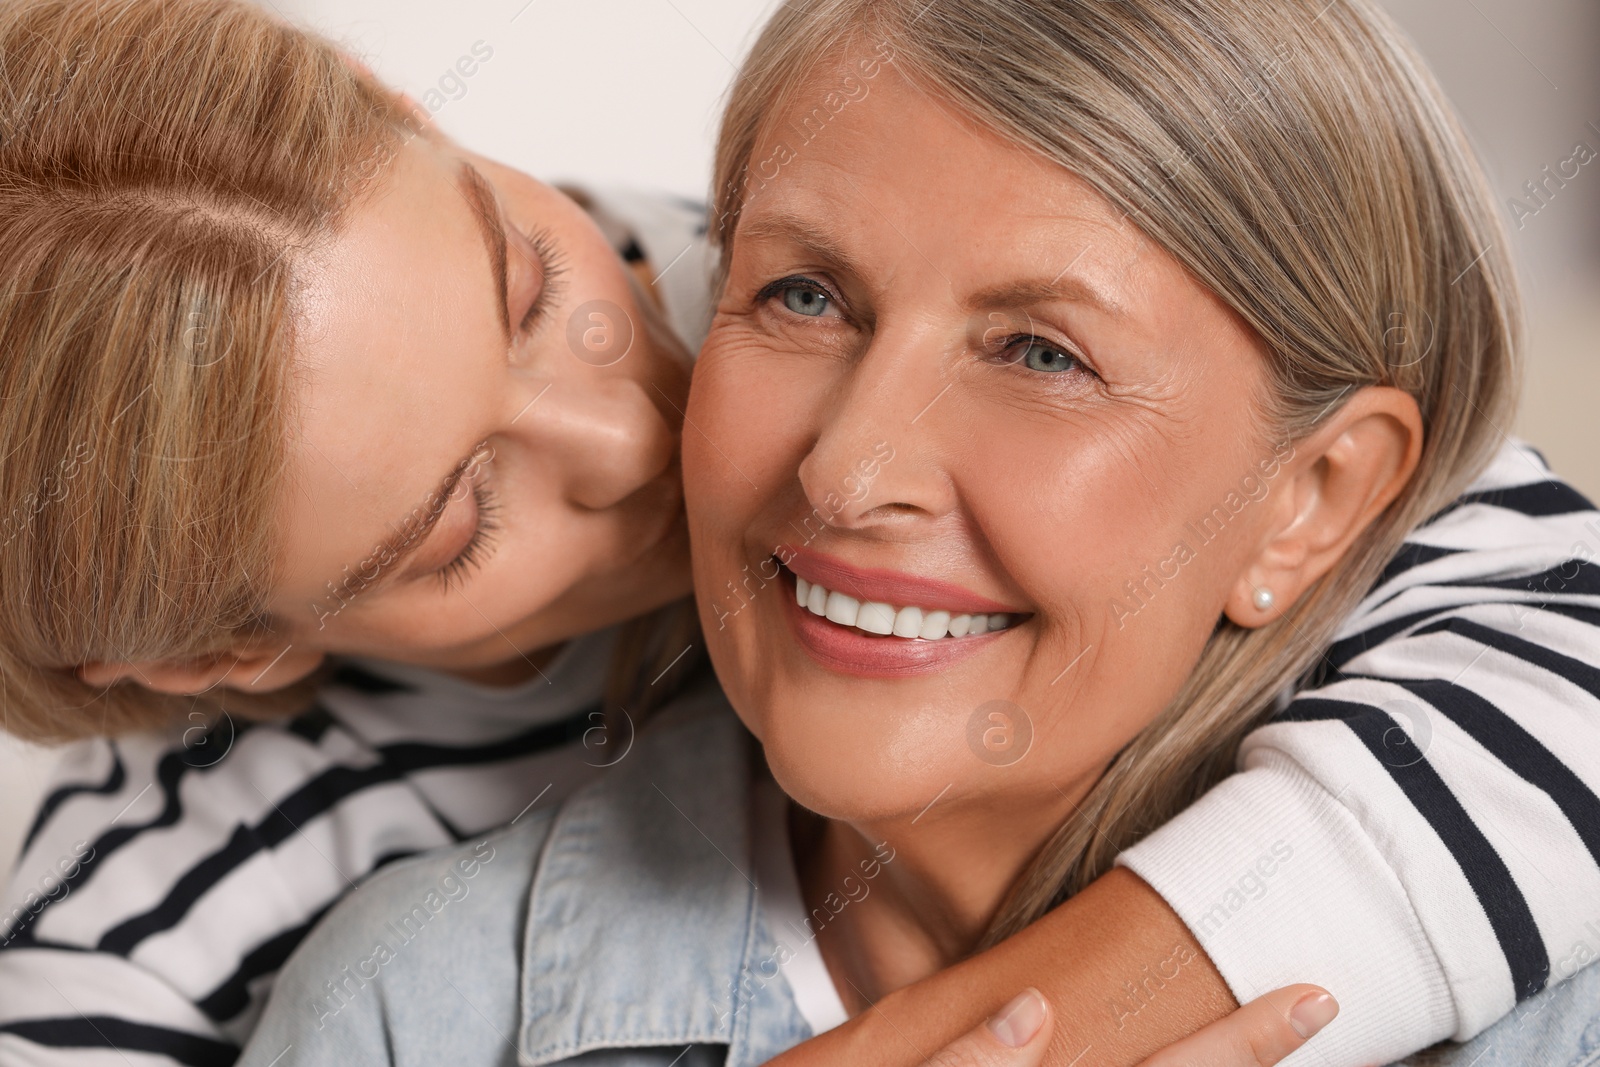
(1259, 1034)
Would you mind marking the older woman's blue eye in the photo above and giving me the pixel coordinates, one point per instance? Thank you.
(807, 302)
(1047, 358)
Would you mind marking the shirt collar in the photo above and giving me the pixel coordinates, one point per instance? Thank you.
(643, 923)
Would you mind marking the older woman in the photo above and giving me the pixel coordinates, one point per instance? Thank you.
(1051, 394)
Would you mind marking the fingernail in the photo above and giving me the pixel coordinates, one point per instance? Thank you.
(1017, 1023)
(1311, 1013)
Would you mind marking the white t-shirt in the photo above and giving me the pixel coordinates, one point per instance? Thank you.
(784, 909)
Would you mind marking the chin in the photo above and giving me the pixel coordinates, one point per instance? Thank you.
(844, 796)
(872, 766)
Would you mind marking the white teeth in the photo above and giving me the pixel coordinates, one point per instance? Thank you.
(843, 609)
(908, 622)
(877, 617)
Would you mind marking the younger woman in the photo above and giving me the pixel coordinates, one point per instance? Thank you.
(399, 439)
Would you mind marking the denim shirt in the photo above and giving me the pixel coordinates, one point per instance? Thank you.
(623, 928)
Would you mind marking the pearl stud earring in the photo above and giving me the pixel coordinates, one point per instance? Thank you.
(1264, 599)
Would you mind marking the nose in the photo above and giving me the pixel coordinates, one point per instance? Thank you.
(876, 459)
(604, 437)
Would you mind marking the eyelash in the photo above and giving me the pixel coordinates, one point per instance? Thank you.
(477, 549)
(1027, 340)
(797, 281)
(554, 268)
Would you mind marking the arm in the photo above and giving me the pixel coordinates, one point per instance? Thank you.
(1117, 931)
(1440, 801)
(1324, 861)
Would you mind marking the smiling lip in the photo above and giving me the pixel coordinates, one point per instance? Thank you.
(889, 587)
(847, 650)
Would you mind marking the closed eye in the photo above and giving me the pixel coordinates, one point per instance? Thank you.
(479, 547)
(552, 268)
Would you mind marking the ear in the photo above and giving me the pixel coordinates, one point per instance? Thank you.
(258, 672)
(1340, 479)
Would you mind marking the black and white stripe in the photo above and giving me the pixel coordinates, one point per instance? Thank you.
(1520, 614)
(193, 883)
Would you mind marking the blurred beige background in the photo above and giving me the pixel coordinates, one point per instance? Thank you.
(626, 92)
(1524, 74)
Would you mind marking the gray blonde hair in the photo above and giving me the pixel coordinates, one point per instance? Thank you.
(1299, 160)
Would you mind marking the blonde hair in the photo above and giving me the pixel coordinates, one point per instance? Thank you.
(161, 164)
(1298, 159)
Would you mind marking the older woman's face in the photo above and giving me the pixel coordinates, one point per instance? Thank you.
(948, 381)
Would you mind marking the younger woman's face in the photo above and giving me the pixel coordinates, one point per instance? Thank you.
(484, 458)
(947, 381)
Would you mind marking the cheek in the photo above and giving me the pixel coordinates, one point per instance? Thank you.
(1074, 510)
(745, 435)
(748, 429)
(715, 491)
(1087, 519)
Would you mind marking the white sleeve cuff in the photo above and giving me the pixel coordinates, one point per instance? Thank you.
(1280, 884)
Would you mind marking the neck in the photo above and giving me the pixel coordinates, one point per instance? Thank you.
(894, 902)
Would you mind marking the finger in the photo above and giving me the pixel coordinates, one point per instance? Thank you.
(1259, 1034)
(1017, 1036)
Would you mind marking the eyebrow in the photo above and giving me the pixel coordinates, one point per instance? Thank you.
(1063, 287)
(408, 536)
(788, 226)
(480, 197)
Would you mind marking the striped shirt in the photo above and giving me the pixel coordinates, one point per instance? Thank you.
(166, 877)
